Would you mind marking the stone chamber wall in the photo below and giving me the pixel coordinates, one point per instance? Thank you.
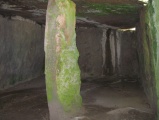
(103, 52)
(148, 49)
(21, 50)
(107, 52)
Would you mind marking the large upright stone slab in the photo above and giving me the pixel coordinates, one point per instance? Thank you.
(61, 68)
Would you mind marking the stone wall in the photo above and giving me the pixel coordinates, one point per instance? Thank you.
(128, 62)
(22, 50)
(90, 49)
(106, 52)
(148, 49)
(103, 52)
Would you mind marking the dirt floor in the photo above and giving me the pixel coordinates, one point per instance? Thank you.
(120, 99)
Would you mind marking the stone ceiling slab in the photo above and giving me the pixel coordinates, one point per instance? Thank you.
(118, 13)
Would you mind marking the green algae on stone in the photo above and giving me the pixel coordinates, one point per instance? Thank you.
(50, 52)
(149, 56)
(151, 45)
(62, 70)
(152, 30)
(155, 4)
(68, 72)
(106, 9)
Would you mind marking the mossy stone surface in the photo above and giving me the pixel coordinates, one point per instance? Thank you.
(102, 9)
(151, 50)
(62, 70)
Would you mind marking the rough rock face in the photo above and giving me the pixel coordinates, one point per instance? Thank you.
(127, 55)
(105, 52)
(119, 13)
(90, 49)
(102, 52)
(148, 49)
(22, 51)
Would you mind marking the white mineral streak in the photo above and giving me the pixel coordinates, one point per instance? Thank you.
(145, 1)
(112, 48)
(81, 19)
(118, 39)
(10, 7)
(35, 12)
(38, 12)
(103, 42)
(22, 19)
(93, 11)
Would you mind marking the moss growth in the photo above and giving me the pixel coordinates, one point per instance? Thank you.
(62, 70)
(50, 54)
(152, 29)
(49, 84)
(155, 16)
(151, 50)
(68, 72)
(149, 56)
(106, 9)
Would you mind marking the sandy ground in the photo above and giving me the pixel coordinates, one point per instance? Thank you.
(117, 100)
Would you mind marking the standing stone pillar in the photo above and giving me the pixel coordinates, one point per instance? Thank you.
(61, 56)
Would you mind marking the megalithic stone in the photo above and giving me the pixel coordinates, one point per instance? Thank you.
(61, 60)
